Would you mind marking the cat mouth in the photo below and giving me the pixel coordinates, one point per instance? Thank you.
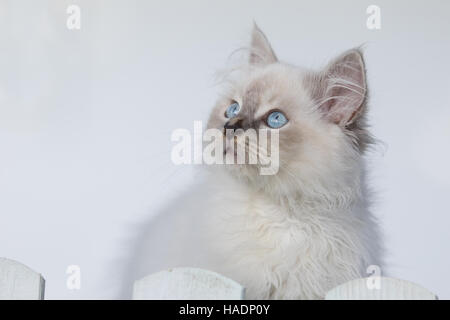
(231, 145)
(231, 151)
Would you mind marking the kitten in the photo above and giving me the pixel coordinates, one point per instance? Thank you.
(302, 231)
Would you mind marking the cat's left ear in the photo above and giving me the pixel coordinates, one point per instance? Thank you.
(261, 51)
(344, 88)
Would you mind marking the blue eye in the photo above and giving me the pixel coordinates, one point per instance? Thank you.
(233, 110)
(276, 120)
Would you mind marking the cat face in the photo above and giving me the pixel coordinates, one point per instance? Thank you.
(318, 116)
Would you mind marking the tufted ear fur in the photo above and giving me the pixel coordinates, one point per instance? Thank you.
(343, 88)
(261, 51)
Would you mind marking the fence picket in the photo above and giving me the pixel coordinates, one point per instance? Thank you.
(187, 283)
(387, 289)
(19, 282)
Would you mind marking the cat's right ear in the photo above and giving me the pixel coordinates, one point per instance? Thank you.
(341, 89)
(261, 52)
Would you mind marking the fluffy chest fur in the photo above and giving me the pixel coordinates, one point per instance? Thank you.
(290, 253)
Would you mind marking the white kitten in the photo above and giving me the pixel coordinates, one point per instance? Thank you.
(296, 234)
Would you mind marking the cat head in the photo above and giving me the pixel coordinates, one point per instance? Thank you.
(319, 117)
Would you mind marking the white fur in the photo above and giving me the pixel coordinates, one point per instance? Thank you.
(274, 251)
(294, 235)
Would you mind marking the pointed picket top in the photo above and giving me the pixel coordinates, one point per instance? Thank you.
(187, 283)
(385, 289)
(19, 282)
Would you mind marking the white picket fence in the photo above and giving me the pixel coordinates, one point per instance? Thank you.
(19, 282)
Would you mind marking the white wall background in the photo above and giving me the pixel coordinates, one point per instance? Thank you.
(86, 117)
